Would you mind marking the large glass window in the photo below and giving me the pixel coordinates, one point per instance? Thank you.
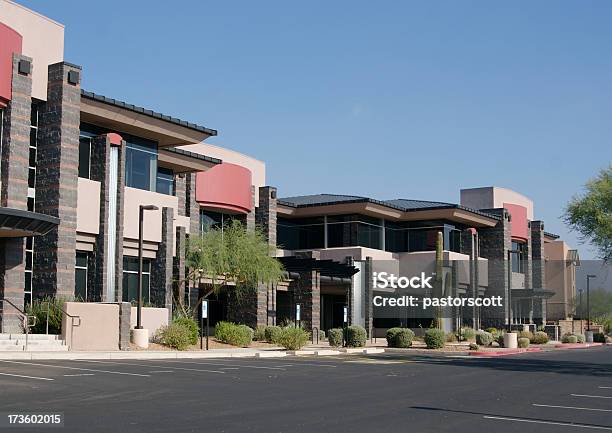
(518, 256)
(80, 275)
(354, 230)
(165, 181)
(141, 164)
(85, 157)
(402, 237)
(209, 219)
(130, 279)
(296, 234)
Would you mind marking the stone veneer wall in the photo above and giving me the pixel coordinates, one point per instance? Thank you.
(161, 267)
(14, 191)
(538, 267)
(57, 182)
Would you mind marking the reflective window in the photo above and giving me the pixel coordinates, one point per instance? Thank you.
(209, 219)
(141, 164)
(85, 157)
(80, 276)
(296, 234)
(165, 181)
(130, 279)
(518, 256)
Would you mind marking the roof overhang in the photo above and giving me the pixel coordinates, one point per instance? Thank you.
(328, 268)
(380, 211)
(181, 161)
(15, 223)
(119, 116)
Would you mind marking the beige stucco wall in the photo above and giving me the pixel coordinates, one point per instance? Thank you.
(88, 206)
(152, 227)
(257, 167)
(560, 277)
(152, 318)
(491, 197)
(98, 329)
(43, 40)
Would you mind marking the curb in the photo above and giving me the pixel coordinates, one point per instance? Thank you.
(577, 345)
(503, 353)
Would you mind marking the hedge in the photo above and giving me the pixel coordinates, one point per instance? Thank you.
(399, 337)
(272, 334)
(599, 337)
(292, 338)
(467, 334)
(523, 342)
(434, 338)
(539, 337)
(334, 336)
(176, 335)
(569, 338)
(355, 336)
(192, 327)
(231, 333)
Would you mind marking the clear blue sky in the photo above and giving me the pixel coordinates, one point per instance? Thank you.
(388, 100)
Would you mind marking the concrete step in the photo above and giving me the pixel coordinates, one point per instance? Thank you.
(31, 337)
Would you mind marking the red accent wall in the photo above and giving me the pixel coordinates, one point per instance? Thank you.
(225, 187)
(519, 220)
(10, 42)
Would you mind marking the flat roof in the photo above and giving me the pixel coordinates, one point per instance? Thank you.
(404, 205)
(147, 112)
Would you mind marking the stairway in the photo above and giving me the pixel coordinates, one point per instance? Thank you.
(36, 343)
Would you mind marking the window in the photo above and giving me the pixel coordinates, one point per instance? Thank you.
(303, 233)
(518, 256)
(80, 275)
(85, 157)
(141, 164)
(210, 220)
(165, 181)
(130, 279)
(29, 266)
(353, 230)
(32, 157)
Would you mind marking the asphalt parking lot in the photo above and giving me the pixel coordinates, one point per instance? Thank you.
(564, 391)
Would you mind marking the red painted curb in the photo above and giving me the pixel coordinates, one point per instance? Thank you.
(577, 345)
(504, 352)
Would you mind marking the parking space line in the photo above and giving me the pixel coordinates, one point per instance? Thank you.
(590, 396)
(77, 368)
(161, 371)
(535, 421)
(223, 365)
(605, 387)
(154, 366)
(79, 375)
(307, 363)
(26, 377)
(571, 407)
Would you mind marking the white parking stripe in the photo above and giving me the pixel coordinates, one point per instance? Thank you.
(605, 387)
(307, 363)
(591, 396)
(224, 365)
(79, 375)
(26, 377)
(533, 421)
(161, 371)
(571, 407)
(153, 366)
(78, 368)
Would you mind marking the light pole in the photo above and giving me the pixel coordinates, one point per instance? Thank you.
(588, 277)
(510, 252)
(140, 240)
(580, 303)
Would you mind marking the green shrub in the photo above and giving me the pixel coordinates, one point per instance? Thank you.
(484, 338)
(176, 335)
(599, 337)
(292, 338)
(434, 338)
(321, 335)
(451, 337)
(467, 334)
(539, 337)
(473, 346)
(569, 338)
(236, 335)
(526, 334)
(260, 333)
(499, 339)
(355, 336)
(334, 336)
(523, 342)
(38, 308)
(272, 333)
(493, 331)
(191, 325)
(580, 338)
(399, 337)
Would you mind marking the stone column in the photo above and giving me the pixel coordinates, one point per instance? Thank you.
(538, 268)
(307, 293)
(192, 206)
(125, 325)
(100, 261)
(495, 243)
(265, 214)
(57, 180)
(14, 191)
(250, 217)
(179, 283)
(161, 267)
(368, 289)
(180, 192)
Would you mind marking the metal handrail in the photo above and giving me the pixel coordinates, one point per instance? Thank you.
(313, 334)
(26, 319)
(72, 325)
(47, 312)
